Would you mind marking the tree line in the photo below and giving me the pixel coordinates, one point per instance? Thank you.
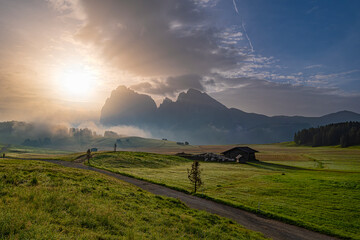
(344, 134)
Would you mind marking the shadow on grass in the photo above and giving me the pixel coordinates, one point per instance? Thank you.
(273, 166)
(280, 167)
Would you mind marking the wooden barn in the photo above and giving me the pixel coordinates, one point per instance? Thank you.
(241, 154)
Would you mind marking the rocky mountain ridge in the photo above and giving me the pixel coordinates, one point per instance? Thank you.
(199, 118)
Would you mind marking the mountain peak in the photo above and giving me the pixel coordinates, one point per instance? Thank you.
(199, 118)
(166, 102)
(196, 97)
(191, 94)
(125, 106)
(193, 91)
(339, 117)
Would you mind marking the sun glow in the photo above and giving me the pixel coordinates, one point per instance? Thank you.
(77, 82)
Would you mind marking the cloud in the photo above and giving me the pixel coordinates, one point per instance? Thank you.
(231, 36)
(156, 38)
(333, 75)
(28, 54)
(171, 45)
(243, 26)
(261, 96)
(314, 66)
(35, 130)
(312, 9)
(170, 85)
(39, 130)
(121, 130)
(63, 5)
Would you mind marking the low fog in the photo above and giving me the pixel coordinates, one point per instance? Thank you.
(65, 136)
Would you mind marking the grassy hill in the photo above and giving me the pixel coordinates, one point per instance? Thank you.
(317, 188)
(45, 201)
(144, 144)
(137, 160)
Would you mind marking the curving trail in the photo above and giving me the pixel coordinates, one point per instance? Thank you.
(270, 228)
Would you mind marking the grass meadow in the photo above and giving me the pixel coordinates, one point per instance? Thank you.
(39, 200)
(17, 151)
(318, 188)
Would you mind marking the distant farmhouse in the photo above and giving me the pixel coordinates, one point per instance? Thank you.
(241, 154)
(236, 154)
(94, 150)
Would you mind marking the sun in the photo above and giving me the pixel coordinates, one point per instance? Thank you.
(77, 81)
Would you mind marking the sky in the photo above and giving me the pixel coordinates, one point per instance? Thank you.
(60, 59)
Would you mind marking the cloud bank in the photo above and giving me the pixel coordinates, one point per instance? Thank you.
(170, 85)
(156, 38)
(159, 47)
(254, 95)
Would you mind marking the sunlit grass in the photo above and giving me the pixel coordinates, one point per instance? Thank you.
(14, 151)
(326, 200)
(43, 201)
(328, 158)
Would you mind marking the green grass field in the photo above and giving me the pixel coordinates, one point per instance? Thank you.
(325, 198)
(318, 188)
(107, 144)
(40, 200)
(16, 151)
(325, 158)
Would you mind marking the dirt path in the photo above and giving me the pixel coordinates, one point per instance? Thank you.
(269, 227)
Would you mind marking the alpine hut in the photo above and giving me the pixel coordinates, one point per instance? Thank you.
(241, 154)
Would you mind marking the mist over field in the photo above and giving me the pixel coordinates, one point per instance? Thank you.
(65, 137)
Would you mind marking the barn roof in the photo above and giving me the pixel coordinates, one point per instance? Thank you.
(243, 149)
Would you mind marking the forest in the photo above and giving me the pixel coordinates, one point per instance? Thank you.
(343, 134)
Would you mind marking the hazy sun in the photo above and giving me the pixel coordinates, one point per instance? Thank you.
(77, 81)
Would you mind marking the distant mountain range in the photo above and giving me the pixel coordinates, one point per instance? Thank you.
(198, 118)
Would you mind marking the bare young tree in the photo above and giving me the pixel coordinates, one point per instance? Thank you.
(88, 155)
(115, 147)
(194, 175)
